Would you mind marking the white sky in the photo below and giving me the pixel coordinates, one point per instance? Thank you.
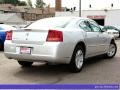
(96, 4)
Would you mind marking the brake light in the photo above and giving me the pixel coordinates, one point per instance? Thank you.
(9, 35)
(55, 36)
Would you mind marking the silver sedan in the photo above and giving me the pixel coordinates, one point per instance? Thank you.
(68, 40)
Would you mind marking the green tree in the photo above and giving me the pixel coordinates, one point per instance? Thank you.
(40, 4)
(1, 1)
(22, 3)
(14, 2)
(30, 3)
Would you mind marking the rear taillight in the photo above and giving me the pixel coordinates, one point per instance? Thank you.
(9, 35)
(55, 36)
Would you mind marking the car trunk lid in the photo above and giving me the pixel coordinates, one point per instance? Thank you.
(29, 36)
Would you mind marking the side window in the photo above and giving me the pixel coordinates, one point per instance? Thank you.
(95, 27)
(85, 26)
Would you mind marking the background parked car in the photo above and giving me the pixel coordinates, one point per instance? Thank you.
(3, 29)
(68, 40)
(112, 30)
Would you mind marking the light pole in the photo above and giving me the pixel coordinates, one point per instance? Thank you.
(79, 8)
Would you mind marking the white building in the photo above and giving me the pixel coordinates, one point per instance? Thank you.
(103, 17)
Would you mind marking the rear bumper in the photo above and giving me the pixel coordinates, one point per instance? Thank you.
(48, 52)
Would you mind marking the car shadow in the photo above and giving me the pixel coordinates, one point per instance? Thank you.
(94, 60)
(44, 73)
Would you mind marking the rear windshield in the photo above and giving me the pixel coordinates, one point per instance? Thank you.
(50, 22)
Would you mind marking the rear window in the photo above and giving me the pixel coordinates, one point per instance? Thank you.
(50, 22)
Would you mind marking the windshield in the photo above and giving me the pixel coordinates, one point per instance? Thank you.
(50, 22)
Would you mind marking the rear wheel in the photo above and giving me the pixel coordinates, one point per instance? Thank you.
(77, 60)
(112, 50)
(25, 63)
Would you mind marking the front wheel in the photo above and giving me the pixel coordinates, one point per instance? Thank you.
(77, 60)
(112, 50)
(25, 63)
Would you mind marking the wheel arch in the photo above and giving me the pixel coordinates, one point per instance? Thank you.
(82, 44)
(112, 40)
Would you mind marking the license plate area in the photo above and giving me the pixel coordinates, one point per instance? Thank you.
(25, 50)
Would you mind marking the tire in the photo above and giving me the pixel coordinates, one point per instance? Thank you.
(1, 46)
(112, 50)
(25, 63)
(77, 60)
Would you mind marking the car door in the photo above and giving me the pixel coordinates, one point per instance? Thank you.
(101, 40)
(90, 38)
